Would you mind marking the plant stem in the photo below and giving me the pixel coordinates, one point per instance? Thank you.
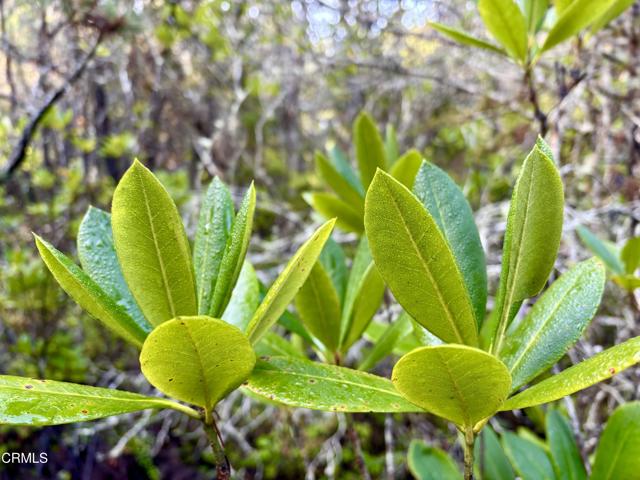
(539, 115)
(469, 439)
(223, 468)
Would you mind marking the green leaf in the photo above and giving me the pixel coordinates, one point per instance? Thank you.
(529, 459)
(534, 13)
(329, 206)
(98, 259)
(555, 323)
(449, 208)
(561, 5)
(214, 225)
(564, 451)
(599, 248)
(369, 148)
(630, 255)
(578, 15)
(618, 452)
(286, 286)
(505, 22)
(391, 149)
(460, 383)
(416, 262)
(532, 238)
(27, 401)
(341, 163)
(491, 461)
(338, 183)
(152, 247)
(406, 168)
(384, 346)
(318, 305)
(614, 11)
(244, 299)
(464, 38)
(333, 260)
(359, 296)
(306, 384)
(430, 463)
(628, 282)
(578, 377)
(198, 360)
(234, 254)
(273, 344)
(89, 295)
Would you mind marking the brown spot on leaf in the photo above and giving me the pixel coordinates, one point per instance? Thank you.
(85, 411)
(312, 380)
(612, 371)
(171, 379)
(28, 387)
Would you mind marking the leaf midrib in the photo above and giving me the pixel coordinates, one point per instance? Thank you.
(205, 384)
(456, 388)
(99, 397)
(426, 267)
(165, 281)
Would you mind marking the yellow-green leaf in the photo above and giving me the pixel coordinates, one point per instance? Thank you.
(505, 22)
(89, 295)
(416, 262)
(152, 247)
(630, 255)
(198, 360)
(305, 384)
(286, 286)
(464, 38)
(318, 304)
(555, 322)
(406, 168)
(330, 206)
(580, 376)
(338, 183)
(369, 148)
(462, 384)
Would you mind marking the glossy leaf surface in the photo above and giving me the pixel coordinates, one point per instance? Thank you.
(555, 323)
(460, 383)
(98, 259)
(416, 262)
(244, 299)
(306, 384)
(27, 401)
(89, 295)
(198, 360)
(580, 376)
(286, 286)
(234, 254)
(152, 247)
(449, 208)
(214, 225)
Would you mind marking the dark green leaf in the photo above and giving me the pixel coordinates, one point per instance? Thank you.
(384, 346)
(98, 259)
(491, 461)
(564, 451)
(214, 225)
(338, 183)
(529, 459)
(449, 208)
(618, 452)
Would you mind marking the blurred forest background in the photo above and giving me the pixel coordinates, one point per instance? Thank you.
(249, 90)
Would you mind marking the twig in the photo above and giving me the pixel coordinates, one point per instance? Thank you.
(19, 152)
